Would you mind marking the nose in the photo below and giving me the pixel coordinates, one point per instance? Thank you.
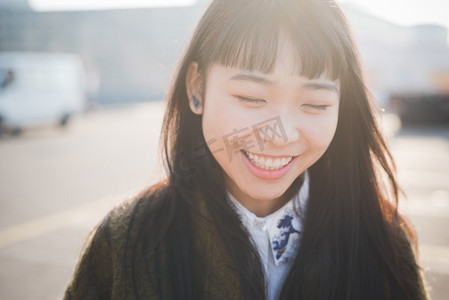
(279, 130)
(291, 126)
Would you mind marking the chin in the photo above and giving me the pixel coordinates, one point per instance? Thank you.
(265, 193)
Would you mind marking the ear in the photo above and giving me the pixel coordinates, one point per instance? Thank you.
(193, 88)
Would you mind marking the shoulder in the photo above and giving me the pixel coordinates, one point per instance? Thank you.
(107, 249)
(406, 233)
(408, 243)
(122, 222)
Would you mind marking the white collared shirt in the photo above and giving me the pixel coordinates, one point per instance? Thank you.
(276, 237)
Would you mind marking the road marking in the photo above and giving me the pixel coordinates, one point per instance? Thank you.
(84, 216)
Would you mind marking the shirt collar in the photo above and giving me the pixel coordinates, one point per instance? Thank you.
(284, 226)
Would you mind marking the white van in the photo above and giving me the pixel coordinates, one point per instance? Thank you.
(40, 88)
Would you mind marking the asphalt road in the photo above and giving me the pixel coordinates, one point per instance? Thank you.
(56, 184)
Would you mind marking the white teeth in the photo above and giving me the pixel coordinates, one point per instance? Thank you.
(268, 164)
(277, 163)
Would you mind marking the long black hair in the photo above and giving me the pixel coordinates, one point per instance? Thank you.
(352, 245)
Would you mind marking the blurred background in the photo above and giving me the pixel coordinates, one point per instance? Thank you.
(82, 85)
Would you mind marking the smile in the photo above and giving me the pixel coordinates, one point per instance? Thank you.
(268, 162)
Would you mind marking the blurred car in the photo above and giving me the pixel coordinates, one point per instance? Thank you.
(421, 107)
(39, 88)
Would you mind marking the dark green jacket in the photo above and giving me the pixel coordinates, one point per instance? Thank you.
(103, 270)
(100, 272)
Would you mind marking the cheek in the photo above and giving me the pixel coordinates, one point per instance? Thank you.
(228, 126)
(221, 125)
(321, 132)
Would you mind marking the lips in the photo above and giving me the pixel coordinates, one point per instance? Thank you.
(268, 162)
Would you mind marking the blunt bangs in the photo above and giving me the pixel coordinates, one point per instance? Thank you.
(257, 30)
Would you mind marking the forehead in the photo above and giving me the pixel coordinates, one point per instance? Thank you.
(287, 63)
(286, 57)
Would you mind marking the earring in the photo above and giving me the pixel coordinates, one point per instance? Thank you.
(196, 102)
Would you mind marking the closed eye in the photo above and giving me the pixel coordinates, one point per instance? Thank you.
(251, 100)
(316, 108)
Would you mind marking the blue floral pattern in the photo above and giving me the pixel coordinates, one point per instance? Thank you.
(280, 245)
(285, 238)
(283, 227)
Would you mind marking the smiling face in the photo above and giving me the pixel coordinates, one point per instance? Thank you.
(265, 130)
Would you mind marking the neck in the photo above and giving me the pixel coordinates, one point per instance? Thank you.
(262, 208)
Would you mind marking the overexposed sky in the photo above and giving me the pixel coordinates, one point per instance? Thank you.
(407, 12)
(63, 5)
(403, 12)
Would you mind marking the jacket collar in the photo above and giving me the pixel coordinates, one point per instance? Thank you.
(284, 226)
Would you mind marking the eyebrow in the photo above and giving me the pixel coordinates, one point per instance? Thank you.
(322, 86)
(252, 78)
(313, 85)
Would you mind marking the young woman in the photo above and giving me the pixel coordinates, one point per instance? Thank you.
(279, 186)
